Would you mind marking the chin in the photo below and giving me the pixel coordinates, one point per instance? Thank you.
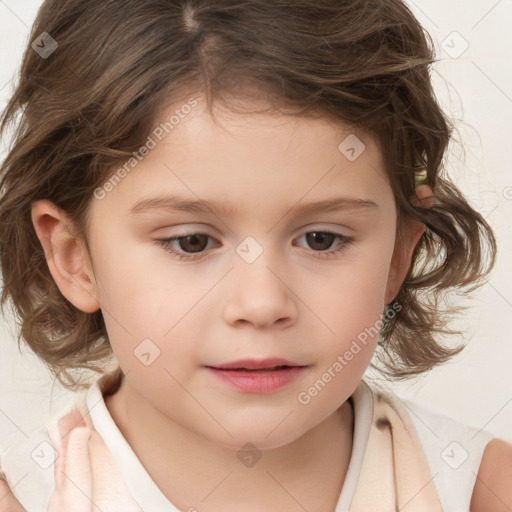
(259, 437)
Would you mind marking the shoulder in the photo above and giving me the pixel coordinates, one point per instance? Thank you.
(8, 502)
(454, 451)
(493, 486)
(31, 467)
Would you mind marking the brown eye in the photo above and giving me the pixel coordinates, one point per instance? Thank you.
(320, 243)
(185, 246)
(193, 243)
(320, 240)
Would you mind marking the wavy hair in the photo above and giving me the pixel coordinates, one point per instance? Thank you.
(82, 111)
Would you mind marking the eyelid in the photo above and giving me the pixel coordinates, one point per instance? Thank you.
(166, 244)
(343, 242)
(313, 227)
(325, 227)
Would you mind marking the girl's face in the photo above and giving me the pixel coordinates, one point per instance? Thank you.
(262, 278)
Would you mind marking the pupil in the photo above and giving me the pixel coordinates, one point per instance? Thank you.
(316, 240)
(317, 237)
(189, 243)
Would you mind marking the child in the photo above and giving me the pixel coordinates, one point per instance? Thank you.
(302, 143)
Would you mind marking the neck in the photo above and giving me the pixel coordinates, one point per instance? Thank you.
(191, 471)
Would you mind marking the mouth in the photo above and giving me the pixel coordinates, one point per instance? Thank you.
(257, 365)
(258, 376)
(247, 371)
(274, 368)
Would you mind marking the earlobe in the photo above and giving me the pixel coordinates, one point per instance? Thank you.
(66, 256)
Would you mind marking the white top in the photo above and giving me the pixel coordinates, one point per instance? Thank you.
(453, 451)
(148, 495)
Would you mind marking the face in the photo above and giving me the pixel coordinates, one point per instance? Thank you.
(259, 274)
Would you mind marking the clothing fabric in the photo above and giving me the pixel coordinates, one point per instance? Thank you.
(402, 455)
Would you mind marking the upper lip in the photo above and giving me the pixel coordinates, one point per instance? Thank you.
(255, 364)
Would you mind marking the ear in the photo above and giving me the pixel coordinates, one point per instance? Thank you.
(66, 255)
(402, 253)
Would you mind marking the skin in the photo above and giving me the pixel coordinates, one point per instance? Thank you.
(492, 491)
(185, 425)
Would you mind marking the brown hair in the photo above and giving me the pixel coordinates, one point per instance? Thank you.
(85, 108)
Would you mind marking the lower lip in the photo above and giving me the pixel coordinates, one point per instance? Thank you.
(266, 381)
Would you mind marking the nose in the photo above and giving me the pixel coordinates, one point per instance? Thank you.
(258, 295)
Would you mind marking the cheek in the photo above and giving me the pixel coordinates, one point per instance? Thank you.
(131, 281)
(150, 309)
(351, 294)
(349, 300)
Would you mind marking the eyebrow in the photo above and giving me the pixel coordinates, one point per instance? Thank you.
(173, 203)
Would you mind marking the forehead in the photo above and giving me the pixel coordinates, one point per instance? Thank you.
(190, 119)
(242, 158)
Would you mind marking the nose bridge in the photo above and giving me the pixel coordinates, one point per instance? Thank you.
(257, 264)
(258, 294)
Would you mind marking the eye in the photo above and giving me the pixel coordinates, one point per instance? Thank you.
(323, 240)
(196, 243)
(192, 243)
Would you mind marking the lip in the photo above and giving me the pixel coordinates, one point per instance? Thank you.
(257, 376)
(255, 364)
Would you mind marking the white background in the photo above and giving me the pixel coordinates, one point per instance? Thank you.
(475, 88)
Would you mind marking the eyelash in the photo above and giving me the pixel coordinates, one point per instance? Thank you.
(346, 241)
